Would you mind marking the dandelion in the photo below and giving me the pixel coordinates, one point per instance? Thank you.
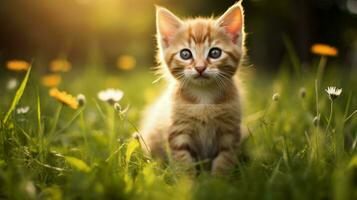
(302, 93)
(64, 98)
(11, 84)
(126, 62)
(276, 97)
(51, 80)
(333, 92)
(81, 99)
(60, 65)
(111, 95)
(22, 110)
(18, 65)
(324, 50)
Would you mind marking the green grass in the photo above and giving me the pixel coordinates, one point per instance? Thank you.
(58, 153)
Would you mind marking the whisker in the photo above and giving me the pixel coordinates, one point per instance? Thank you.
(158, 79)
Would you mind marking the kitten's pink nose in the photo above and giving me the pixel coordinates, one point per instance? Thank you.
(200, 69)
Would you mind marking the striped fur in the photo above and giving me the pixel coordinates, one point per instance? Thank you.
(197, 117)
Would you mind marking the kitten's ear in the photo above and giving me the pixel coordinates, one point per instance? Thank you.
(167, 25)
(232, 21)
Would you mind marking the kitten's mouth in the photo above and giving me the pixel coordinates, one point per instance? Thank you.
(201, 76)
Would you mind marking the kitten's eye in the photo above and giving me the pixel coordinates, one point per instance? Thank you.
(185, 54)
(215, 53)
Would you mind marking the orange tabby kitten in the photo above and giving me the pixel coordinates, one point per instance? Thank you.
(198, 117)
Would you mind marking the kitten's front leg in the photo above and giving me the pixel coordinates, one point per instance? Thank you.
(226, 159)
(224, 163)
(180, 144)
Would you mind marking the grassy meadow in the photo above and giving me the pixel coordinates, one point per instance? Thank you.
(51, 151)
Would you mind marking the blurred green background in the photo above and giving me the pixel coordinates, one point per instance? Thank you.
(77, 29)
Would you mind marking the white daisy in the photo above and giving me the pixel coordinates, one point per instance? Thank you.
(111, 95)
(22, 110)
(12, 84)
(333, 92)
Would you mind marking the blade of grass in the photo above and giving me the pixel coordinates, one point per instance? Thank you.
(317, 97)
(348, 104)
(78, 164)
(321, 69)
(130, 148)
(70, 122)
(115, 152)
(49, 166)
(28, 137)
(275, 172)
(138, 132)
(18, 96)
(330, 117)
(350, 116)
(54, 124)
(84, 130)
(292, 54)
(100, 110)
(39, 127)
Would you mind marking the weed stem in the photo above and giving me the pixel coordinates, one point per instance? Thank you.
(54, 125)
(330, 118)
(321, 68)
(350, 116)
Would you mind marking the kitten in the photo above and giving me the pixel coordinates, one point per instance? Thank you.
(198, 117)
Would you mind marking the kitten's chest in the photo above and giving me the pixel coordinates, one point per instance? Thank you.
(204, 123)
(206, 141)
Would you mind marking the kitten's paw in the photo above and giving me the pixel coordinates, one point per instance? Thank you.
(185, 162)
(219, 171)
(223, 164)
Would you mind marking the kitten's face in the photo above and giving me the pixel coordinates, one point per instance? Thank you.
(201, 51)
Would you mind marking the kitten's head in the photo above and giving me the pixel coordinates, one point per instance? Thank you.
(201, 51)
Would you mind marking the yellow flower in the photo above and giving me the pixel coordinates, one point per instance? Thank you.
(324, 50)
(126, 62)
(59, 65)
(18, 65)
(51, 80)
(64, 98)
